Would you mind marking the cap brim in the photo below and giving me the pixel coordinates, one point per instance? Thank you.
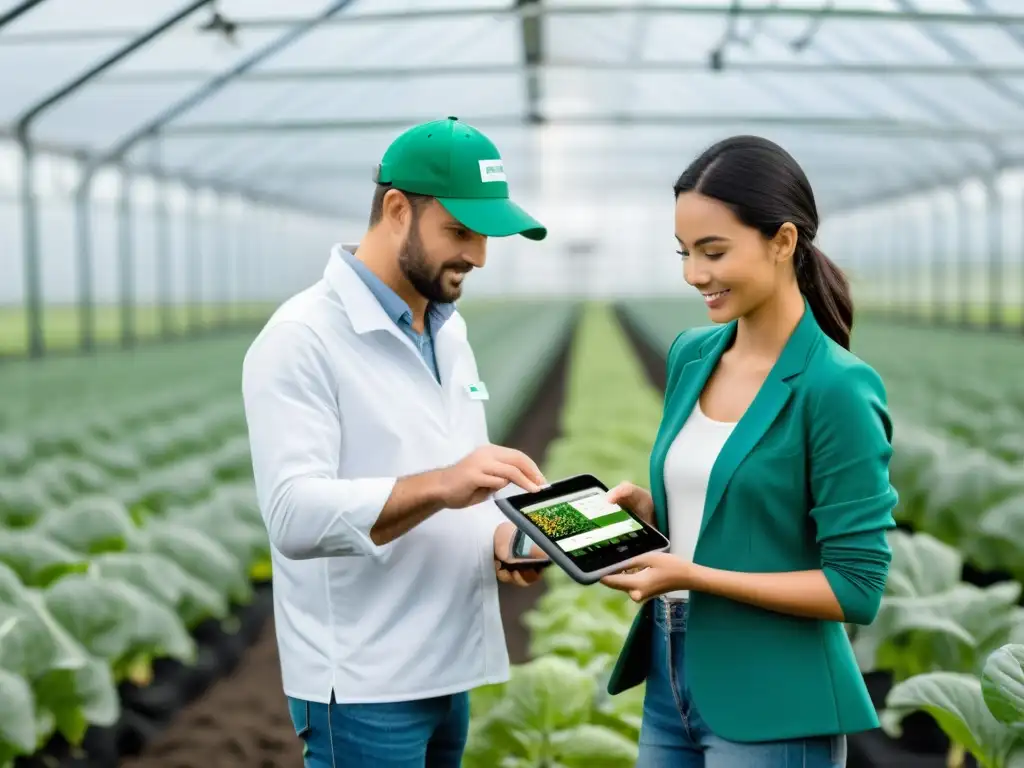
(494, 217)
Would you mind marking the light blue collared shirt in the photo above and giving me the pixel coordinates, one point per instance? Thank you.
(399, 311)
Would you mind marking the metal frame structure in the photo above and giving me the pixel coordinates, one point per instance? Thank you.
(982, 149)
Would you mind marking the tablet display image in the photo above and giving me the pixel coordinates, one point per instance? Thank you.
(583, 522)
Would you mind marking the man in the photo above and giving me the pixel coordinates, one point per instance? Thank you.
(374, 471)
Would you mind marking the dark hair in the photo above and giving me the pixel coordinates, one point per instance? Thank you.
(765, 187)
(377, 204)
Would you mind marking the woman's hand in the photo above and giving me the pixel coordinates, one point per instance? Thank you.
(651, 575)
(634, 498)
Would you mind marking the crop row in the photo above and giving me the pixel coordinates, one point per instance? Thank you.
(943, 640)
(554, 711)
(106, 567)
(128, 520)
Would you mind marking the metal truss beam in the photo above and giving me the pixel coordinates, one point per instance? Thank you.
(155, 126)
(531, 33)
(22, 8)
(871, 126)
(680, 9)
(572, 65)
(989, 18)
(926, 183)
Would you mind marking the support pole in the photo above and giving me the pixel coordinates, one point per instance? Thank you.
(940, 244)
(30, 254)
(994, 224)
(83, 231)
(125, 259)
(963, 263)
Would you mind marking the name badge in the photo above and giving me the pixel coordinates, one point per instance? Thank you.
(477, 391)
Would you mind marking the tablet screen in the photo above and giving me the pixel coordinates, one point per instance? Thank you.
(590, 529)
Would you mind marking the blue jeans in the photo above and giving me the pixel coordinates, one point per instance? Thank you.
(673, 734)
(428, 733)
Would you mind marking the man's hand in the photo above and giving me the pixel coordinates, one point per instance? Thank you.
(482, 473)
(485, 471)
(634, 498)
(503, 551)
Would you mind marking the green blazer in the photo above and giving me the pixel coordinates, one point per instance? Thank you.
(802, 483)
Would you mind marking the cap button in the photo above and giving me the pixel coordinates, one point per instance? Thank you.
(450, 117)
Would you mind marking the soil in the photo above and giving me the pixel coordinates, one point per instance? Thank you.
(651, 359)
(230, 712)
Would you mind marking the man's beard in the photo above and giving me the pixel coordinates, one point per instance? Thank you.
(415, 266)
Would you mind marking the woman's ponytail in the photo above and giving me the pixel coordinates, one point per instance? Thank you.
(827, 291)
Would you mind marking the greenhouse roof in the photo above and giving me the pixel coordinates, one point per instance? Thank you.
(297, 99)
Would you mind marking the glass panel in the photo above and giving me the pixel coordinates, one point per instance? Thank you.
(85, 16)
(41, 70)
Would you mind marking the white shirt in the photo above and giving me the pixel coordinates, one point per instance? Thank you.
(339, 404)
(688, 466)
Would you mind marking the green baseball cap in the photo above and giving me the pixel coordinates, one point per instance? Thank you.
(460, 167)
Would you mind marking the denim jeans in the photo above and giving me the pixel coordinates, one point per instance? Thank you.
(428, 733)
(673, 734)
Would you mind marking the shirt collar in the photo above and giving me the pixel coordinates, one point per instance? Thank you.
(392, 303)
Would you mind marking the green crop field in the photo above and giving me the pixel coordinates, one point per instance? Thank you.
(128, 516)
(62, 327)
(128, 520)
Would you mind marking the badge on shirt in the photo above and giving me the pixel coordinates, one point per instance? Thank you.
(477, 391)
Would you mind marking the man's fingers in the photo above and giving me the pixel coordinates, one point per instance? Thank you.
(522, 462)
(512, 474)
(492, 480)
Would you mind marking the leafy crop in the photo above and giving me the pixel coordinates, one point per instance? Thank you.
(121, 530)
(982, 714)
(128, 516)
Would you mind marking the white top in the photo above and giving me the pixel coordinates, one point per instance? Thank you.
(688, 466)
(340, 403)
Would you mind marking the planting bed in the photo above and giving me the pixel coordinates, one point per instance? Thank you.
(135, 606)
(117, 470)
(952, 609)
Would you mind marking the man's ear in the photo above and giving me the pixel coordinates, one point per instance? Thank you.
(396, 211)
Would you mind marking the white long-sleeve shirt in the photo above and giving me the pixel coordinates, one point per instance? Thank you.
(339, 404)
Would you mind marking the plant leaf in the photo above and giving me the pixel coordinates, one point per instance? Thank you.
(91, 525)
(17, 714)
(37, 560)
(115, 621)
(921, 565)
(592, 746)
(548, 694)
(1002, 684)
(200, 556)
(955, 702)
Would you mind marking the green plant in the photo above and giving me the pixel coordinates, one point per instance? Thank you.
(981, 715)
(929, 620)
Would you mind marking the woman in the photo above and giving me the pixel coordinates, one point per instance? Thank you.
(770, 474)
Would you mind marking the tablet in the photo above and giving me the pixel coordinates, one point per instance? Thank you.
(581, 531)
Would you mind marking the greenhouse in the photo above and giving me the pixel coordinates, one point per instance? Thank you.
(173, 171)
